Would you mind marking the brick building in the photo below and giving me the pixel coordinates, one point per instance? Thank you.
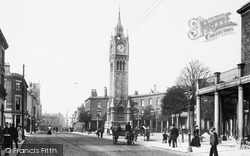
(3, 46)
(15, 92)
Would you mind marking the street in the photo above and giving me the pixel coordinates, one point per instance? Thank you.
(84, 145)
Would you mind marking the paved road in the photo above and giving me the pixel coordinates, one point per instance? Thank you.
(83, 145)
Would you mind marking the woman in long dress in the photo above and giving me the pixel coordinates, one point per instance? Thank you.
(196, 140)
(19, 130)
(49, 131)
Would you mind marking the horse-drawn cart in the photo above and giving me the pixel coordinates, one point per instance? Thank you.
(128, 136)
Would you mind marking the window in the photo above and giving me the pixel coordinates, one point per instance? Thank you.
(18, 102)
(99, 105)
(150, 102)
(107, 104)
(142, 103)
(18, 86)
(18, 120)
(158, 101)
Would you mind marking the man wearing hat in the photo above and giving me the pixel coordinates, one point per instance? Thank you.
(7, 140)
(213, 142)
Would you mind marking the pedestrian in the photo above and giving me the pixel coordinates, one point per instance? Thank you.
(164, 137)
(1, 138)
(108, 131)
(128, 130)
(7, 140)
(170, 137)
(49, 130)
(97, 132)
(14, 135)
(19, 130)
(102, 131)
(174, 135)
(213, 142)
(196, 140)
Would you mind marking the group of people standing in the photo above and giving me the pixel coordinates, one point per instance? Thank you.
(99, 132)
(171, 137)
(174, 133)
(9, 134)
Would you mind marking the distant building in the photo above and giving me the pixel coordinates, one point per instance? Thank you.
(96, 106)
(34, 106)
(15, 89)
(56, 120)
(3, 46)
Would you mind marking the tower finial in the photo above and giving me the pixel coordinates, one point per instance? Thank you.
(119, 23)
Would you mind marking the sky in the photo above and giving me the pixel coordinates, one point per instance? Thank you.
(64, 44)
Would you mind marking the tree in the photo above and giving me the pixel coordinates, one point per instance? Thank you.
(187, 79)
(147, 113)
(83, 117)
(207, 108)
(174, 102)
(134, 110)
(190, 73)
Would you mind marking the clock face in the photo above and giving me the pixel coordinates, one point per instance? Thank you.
(121, 48)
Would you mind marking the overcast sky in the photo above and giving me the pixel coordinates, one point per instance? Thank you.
(64, 44)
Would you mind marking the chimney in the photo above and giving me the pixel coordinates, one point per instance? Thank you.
(105, 92)
(7, 68)
(93, 93)
(136, 92)
(154, 88)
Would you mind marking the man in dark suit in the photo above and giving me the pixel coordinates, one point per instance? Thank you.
(174, 135)
(7, 140)
(14, 135)
(213, 142)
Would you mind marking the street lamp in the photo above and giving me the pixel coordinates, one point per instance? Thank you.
(88, 114)
(135, 116)
(189, 95)
(152, 112)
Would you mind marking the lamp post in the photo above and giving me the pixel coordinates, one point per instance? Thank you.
(135, 117)
(88, 114)
(189, 96)
(142, 114)
(98, 116)
(152, 112)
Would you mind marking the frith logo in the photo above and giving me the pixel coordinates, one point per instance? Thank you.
(210, 28)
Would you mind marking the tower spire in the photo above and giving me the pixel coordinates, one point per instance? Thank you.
(119, 28)
(119, 23)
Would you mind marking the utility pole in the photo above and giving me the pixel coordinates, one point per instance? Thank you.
(23, 137)
(67, 121)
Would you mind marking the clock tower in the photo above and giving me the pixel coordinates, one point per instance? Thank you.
(119, 106)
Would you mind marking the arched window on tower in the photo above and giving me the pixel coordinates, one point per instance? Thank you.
(123, 65)
(117, 65)
(120, 65)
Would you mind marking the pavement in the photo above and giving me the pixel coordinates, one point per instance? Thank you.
(19, 146)
(226, 148)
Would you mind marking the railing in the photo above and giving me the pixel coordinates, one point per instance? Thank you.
(207, 82)
(229, 75)
(226, 76)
